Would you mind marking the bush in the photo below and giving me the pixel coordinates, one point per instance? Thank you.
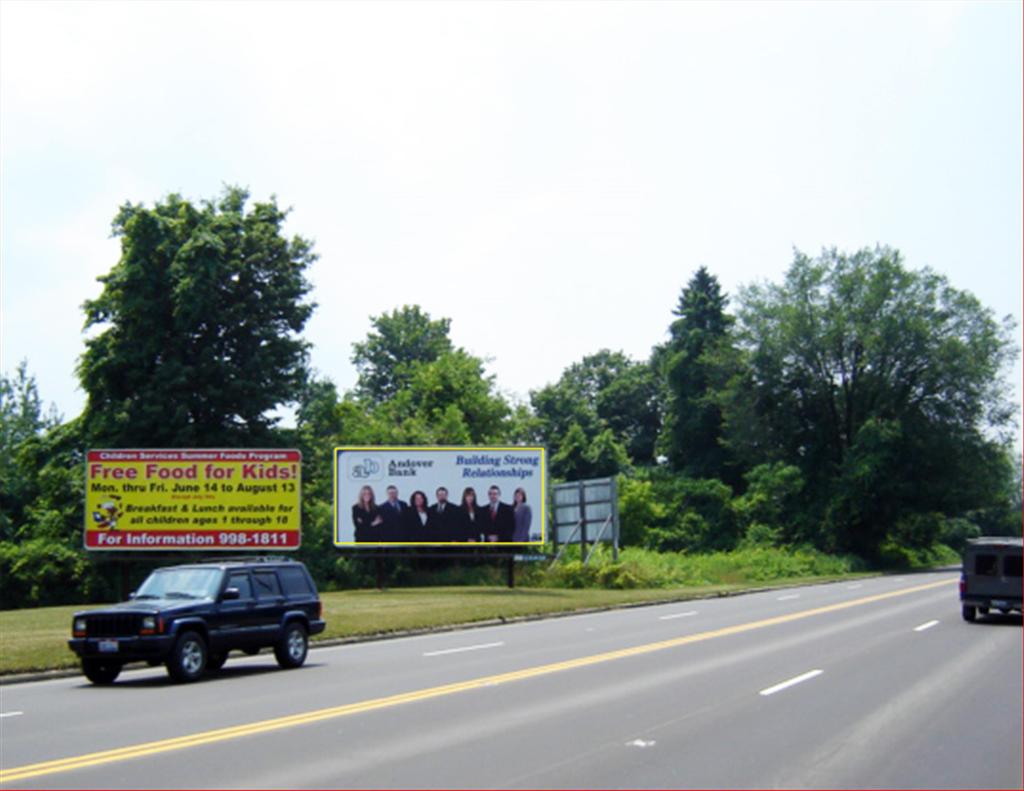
(956, 533)
(573, 574)
(39, 573)
(760, 535)
(645, 568)
(898, 556)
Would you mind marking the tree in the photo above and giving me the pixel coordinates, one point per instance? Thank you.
(415, 387)
(603, 391)
(397, 342)
(578, 458)
(202, 315)
(22, 419)
(693, 424)
(882, 384)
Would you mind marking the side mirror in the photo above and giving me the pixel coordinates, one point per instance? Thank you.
(231, 593)
(131, 595)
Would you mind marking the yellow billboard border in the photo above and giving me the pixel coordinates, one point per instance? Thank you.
(264, 550)
(543, 506)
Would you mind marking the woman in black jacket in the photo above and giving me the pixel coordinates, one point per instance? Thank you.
(472, 516)
(367, 518)
(415, 519)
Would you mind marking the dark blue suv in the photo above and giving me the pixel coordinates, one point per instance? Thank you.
(189, 617)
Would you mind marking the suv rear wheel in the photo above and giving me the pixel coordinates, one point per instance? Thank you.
(969, 613)
(188, 657)
(294, 645)
(100, 672)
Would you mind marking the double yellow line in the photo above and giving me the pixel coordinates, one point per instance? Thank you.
(333, 712)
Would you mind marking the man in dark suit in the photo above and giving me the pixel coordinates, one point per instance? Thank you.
(444, 520)
(499, 519)
(391, 511)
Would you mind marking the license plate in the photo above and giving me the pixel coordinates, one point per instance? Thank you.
(1000, 603)
(108, 646)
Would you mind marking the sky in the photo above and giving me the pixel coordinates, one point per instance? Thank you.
(546, 175)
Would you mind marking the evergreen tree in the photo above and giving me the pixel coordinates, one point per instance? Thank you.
(693, 423)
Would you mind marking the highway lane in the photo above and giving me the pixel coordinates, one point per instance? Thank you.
(882, 703)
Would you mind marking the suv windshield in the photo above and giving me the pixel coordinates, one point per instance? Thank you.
(180, 584)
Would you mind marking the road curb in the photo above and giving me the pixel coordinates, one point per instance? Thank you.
(49, 675)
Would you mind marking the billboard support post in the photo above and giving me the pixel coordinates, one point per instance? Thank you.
(511, 571)
(126, 580)
(583, 515)
(572, 534)
(597, 539)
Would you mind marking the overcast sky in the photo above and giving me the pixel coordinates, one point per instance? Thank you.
(547, 175)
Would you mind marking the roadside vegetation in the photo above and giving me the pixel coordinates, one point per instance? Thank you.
(853, 416)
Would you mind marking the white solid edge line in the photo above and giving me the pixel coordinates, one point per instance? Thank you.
(676, 615)
(788, 596)
(793, 681)
(11, 714)
(464, 648)
(924, 626)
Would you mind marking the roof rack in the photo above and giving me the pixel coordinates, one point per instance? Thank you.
(243, 559)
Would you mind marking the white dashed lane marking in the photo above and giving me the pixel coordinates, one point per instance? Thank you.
(791, 682)
(464, 648)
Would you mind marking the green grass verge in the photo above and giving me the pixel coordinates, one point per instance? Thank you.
(35, 639)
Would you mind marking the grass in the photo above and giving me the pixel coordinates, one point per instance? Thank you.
(35, 639)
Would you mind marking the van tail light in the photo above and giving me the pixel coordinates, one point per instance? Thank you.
(319, 610)
(963, 586)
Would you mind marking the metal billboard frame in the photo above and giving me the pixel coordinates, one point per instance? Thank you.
(572, 506)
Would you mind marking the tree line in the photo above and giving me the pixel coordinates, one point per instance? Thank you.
(859, 406)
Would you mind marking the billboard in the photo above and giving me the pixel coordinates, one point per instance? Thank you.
(586, 511)
(196, 499)
(439, 495)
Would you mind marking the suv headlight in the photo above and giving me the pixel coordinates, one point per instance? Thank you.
(149, 623)
(79, 626)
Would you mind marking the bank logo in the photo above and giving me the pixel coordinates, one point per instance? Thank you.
(367, 468)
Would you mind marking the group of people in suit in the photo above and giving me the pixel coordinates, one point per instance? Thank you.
(395, 521)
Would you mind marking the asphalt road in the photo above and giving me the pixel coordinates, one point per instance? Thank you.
(876, 683)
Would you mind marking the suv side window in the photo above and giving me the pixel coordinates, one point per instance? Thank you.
(267, 585)
(1011, 565)
(294, 582)
(986, 565)
(240, 580)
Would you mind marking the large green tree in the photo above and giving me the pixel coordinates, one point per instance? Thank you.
(397, 342)
(693, 423)
(604, 399)
(884, 385)
(200, 322)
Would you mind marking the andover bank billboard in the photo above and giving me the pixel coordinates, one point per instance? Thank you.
(206, 498)
(438, 495)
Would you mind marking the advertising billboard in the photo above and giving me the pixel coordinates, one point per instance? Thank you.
(196, 499)
(439, 495)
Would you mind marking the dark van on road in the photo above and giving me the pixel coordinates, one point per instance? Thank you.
(189, 617)
(991, 577)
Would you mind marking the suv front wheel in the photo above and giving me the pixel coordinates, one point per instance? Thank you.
(99, 671)
(188, 657)
(294, 645)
